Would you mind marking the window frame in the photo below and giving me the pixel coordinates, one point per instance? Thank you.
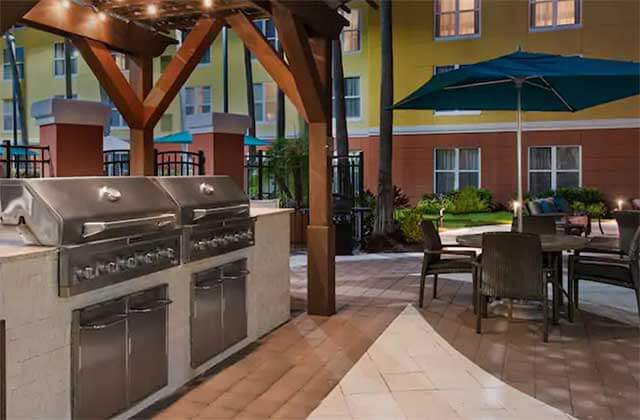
(207, 53)
(263, 29)
(359, 97)
(358, 30)
(456, 37)
(5, 114)
(7, 75)
(554, 160)
(554, 26)
(456, 171)
(195, 105)
(73, 57)
(261, 119)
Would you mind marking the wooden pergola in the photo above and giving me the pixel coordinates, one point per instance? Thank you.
(140, 29)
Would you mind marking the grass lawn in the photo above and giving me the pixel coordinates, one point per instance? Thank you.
(456, 221)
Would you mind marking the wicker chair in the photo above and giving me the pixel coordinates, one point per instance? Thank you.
(613, 270)
(535, 224)
(433, 262)
(628, 221)
(512, 268)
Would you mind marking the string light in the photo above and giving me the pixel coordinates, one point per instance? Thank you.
(207, 3)
(102, 16)
(152, 9)
(66, 4)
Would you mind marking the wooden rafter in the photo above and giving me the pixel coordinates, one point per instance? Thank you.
(186, 59)
(101, 62)
(295, 40)
(78, 21)
(12, 10)
(316, 15)
(268, 57)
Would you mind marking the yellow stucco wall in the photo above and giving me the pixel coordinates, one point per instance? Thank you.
(610, 29)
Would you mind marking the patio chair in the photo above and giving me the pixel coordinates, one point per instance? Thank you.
(622, 272)
(635, 204)
(437, 260)
(512, 268)
(628, 221)
(535, 224)
(558, 209)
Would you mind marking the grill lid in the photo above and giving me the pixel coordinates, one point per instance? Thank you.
(61, 211)
(203, 199)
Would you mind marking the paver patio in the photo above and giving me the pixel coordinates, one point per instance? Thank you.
(589, 369)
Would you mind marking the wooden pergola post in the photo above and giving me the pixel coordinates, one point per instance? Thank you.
(142, 160)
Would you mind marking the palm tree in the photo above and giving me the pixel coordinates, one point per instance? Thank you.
(384, 204)
(280, 113)
(340, 113)
(251, 110)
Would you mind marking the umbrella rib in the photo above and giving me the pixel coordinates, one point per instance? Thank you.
(555, 92)
(492, 82)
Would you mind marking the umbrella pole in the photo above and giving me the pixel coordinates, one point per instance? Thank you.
(519, 157)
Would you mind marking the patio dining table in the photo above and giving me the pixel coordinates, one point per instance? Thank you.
(553, 246)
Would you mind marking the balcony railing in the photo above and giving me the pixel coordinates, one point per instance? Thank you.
(24, 161)
(169, 163)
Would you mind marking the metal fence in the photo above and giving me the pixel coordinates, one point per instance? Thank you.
(260, 176)
(24, 161)
(169, 163)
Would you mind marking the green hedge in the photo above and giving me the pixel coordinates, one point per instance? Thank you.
(465, 200)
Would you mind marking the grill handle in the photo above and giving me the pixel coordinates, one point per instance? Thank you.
(105, 322)
(156, 306)
(93, 228)
(237, 275)
(202, 213)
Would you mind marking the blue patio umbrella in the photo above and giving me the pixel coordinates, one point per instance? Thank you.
(185, 137)
(524, 81)
(254, 141)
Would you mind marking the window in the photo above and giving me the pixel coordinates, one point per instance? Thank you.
(444, 69)
(264, 95)
(206, 56)
(73, 96)
(58, 59)
(166, 122)
(553, 167)
(351, 34)
(456, 168)
(268, 29)
(116, 121)
(6, 64)
(352, 97)
(121, 61)
(552, 14)
(7, 115)
(164, 62)
(197, 100)
(457, 18)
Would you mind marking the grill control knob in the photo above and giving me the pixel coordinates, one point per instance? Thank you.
(237, 237)
(167, 253)
(101, 268)
(112, 267)
(121, 263)
(88, 272)
(139, 257)
(201, 245)
(150, 257)
(213, 243)
(132, 262)
(79, 273)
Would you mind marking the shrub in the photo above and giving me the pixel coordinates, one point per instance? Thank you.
(409, 220)
(594, 210)
(572, 195)
(465, 200)
(400, 199)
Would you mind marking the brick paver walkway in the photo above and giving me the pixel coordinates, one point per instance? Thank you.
(590, 369)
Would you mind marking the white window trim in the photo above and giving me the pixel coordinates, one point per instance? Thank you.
(554, 171)
(10, 129)
(360, 32)
(438, 38)
(195, 105)
(10, 79)
(456, 171)
(359, 118)
(53, 63)
(553, 27)
(262, 30)
(437, 113)
(263, 118)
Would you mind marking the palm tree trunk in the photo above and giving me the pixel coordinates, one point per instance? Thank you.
(384, 205)
(68, 71)
(17, 89)
(225, 70)
(340, 109)
(281, 118)
(251, 110)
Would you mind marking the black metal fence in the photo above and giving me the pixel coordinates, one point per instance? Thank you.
(261, 173)
(24, 161)
(169, 163)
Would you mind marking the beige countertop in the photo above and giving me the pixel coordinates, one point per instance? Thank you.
(12, 246)
(265, 211)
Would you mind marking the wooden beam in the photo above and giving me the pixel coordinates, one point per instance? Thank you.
(142, 157)
(79, 21)
(99, 59)
(321, 19)
(268, 57)
(12, 10)
(295, 40)
(177, 72)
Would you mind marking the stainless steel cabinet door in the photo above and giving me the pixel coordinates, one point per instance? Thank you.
(148, 349)
(206, 322)
(101, 369)
(235, 309)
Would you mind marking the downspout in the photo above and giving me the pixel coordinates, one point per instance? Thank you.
(17, 90)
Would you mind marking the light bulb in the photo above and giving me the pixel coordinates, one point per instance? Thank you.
(102, 16)
(152, 9)
(207, 3)
(66, 4)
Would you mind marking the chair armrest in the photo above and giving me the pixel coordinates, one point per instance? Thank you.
(599, 259)
(451, 252)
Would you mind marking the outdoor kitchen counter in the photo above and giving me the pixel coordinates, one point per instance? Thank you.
(38, 321)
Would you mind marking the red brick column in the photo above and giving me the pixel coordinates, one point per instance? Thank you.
(221, 138)
(73, 130)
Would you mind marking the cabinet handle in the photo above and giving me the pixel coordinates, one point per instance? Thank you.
(209, 286)
(159, 304)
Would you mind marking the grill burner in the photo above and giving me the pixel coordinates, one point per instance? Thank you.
(107, 229)
(214, 213)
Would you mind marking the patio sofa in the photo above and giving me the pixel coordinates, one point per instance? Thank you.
(571, 222)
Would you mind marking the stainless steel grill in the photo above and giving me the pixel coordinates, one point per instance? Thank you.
(107, 229)
(213, 212)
